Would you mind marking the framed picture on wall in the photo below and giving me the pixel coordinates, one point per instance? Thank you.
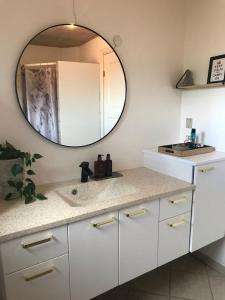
(216, 69)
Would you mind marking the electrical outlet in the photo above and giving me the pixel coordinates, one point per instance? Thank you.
(188, 122)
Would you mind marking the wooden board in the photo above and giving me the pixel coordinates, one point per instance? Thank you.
(167, 149)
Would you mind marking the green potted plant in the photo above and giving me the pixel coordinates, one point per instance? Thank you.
(16, 173)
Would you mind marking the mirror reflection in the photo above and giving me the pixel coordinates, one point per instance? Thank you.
(70, 85)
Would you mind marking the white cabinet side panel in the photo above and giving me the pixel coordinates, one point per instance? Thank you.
(166, 165)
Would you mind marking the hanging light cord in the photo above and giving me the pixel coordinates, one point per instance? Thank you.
(74, 12)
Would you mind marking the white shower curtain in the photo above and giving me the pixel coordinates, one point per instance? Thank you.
(41, 100)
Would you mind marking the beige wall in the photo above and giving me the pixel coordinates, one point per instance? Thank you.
(40, 54)
(92, 51)
(89, 52)
(152, 55)
(43, 54)
(205, 23)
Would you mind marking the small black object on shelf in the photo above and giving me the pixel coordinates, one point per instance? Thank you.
(185, 80)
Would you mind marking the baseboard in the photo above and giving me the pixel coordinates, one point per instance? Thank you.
(210, 262)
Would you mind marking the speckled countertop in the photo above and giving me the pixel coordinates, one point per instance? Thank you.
(18, 219)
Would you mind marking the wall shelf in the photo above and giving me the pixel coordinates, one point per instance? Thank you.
(202, 86)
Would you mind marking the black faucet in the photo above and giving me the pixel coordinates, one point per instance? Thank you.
(86, 171)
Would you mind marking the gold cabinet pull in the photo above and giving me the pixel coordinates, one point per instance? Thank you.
(180, 200)
(205, 170)
(35, 276)
(36, 243)
(135, 213)
(179, 223)
(103, 223)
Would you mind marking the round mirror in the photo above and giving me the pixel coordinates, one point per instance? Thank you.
(71, 85)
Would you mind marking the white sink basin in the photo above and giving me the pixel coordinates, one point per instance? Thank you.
(84, 194)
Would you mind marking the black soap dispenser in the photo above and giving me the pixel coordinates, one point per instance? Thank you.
(108, 166)
(99, 167)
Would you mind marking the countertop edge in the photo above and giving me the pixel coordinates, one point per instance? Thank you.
(66, 221)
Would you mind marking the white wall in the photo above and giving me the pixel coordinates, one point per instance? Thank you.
(92, 51)
(205, 22)
(152, 54)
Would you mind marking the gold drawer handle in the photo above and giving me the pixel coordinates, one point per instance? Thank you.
(180, 200)
(103, 223)
(35, 276)
(179, 223)
(135, 213)
(36, 243)
(205, 170)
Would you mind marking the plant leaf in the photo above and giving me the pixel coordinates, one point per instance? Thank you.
(16, 169)
(10, 146)
(8, 196)
(11, 183)
(19, 185)
(29, 199)
(37, 156)
(30, 172)
(27, 159)
(40, 196)
(29, 189)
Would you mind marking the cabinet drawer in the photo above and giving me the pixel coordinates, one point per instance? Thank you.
(46, 281)
(30, 250)
(173, 238)
(175, 205)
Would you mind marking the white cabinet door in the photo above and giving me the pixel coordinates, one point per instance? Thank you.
(208, 223)
(174, 234)
(46, 281)
(93, 250)
(138, 238)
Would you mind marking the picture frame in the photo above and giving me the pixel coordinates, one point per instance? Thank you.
(216, 71)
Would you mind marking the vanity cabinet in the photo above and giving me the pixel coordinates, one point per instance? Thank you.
(84, 259)
(207, 172)
(138, 239)
(93, 248)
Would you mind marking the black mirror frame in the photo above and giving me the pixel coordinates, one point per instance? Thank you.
(125, 80)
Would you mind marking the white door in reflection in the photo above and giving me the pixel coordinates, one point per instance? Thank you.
(79, 102)
(113, 91)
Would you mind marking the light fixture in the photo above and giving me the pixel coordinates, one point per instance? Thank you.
(71, 26)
